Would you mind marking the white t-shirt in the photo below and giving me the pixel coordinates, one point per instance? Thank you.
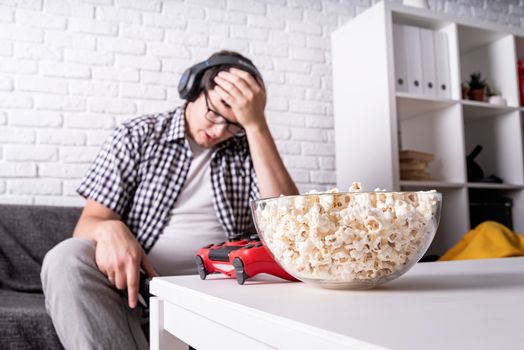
(193, 223)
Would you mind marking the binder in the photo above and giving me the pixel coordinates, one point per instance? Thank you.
(399, 49)
(414, 59)
(429, 69)
(442, 63)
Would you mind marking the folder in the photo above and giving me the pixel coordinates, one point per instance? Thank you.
(429, 69)
(399, 49)
(414, 59)
(442, 64)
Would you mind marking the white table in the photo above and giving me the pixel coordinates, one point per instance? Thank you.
(476, 304)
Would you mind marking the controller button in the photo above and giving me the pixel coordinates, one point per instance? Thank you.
(222, 253)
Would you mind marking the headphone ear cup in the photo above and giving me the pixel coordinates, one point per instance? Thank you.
(182, 84)
(194, 92)
(188, 85)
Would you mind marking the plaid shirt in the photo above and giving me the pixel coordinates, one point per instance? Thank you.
(141, 170)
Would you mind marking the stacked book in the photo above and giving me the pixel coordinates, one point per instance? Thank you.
(414, 165)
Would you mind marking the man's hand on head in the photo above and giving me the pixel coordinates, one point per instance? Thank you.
(244, 94)
(119, 256)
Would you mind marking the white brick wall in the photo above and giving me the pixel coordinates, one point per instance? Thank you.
(71, 70)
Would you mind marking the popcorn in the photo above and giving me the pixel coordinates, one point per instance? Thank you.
(355, 187)
(348, 236)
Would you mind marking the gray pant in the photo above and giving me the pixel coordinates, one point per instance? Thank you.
(87, 311)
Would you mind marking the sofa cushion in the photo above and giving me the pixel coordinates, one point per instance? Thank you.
(27, 232)
(24, 323)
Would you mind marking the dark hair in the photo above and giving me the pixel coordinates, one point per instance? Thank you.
(207, 82)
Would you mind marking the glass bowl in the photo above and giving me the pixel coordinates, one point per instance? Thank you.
(348, 240)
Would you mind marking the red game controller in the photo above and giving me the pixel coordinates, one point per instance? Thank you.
(241, 259)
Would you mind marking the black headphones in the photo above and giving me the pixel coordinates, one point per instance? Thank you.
(189, 84)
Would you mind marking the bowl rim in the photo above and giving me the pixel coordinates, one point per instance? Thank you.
(433, 192)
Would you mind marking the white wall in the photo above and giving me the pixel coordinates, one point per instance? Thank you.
(71, 70)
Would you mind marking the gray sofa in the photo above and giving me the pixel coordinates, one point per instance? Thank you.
(26, 234)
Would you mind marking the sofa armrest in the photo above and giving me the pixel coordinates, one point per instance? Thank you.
(27, 232)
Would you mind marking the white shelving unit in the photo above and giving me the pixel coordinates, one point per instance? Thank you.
(373, 121)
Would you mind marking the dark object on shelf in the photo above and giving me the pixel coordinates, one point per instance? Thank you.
(493, 178)
(429, 258)
(475, 172)
(486, 205)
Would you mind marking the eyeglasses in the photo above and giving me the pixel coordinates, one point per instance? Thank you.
(216, 118)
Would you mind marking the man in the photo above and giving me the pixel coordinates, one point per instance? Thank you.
(163, 186)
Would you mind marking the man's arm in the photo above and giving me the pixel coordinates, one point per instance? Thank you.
(92, 216)
(273, 177)
(118, 254)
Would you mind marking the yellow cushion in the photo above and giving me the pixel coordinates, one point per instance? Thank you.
(489, 239)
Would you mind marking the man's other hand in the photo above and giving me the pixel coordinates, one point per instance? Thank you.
(119, 256)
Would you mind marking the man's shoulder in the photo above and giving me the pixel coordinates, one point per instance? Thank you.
(154, 126)
(154, 121)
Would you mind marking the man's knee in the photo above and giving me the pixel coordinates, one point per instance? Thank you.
(66, 260)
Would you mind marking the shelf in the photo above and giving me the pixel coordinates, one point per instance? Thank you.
(409, 105)
(477, 109)
(430, 184)
(495, 186)
(439, 133)
(472, 38)
(493, 54)
(402, 17)
(367, 93)
(501, 139)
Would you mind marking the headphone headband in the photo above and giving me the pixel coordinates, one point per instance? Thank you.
(188, 87)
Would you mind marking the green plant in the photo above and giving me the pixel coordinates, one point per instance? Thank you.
(476, 82)
(491, 91)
